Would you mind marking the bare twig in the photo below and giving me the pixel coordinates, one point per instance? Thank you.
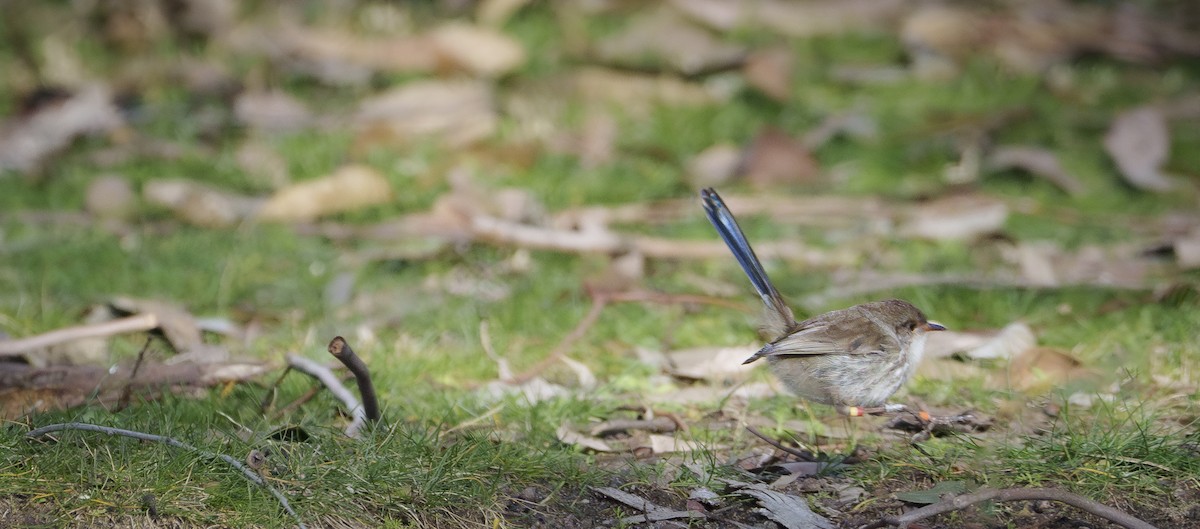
(138, 323)
(593, 315)
(340, 349)
(657, 424)
(169, 441)
(126, 393)
(269, 399)
(316, 370)
(1016, 494)
(802, 454)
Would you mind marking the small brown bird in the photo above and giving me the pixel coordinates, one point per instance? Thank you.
(853, 358)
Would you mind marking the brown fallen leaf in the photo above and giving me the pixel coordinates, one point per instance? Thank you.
(662, 39)
(457, 113)
(110, 196)
(796, 19)
(774, 157)
(571, 437)
(348, 188)
(636, 93)
(262, 164)
(26, 141)
(714, 166)
(1036, 161)
(176, 324)
(275, 111)
(1139, 143)
(1041, 369)
(666, 444)
(200, 204)
(1187, 250)
(1004, 343)
(716, 364)
(335, 57)
(770, 71)
(478, 50)
(959, 217)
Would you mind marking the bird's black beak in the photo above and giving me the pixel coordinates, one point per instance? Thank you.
(933, 326)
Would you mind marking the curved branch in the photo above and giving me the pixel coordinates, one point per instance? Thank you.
(1017, 494)
(340, 349)
(170, 441)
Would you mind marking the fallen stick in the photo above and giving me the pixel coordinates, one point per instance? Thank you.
(330, 381)
(1017, 494)
(560, 350)
(342, 351)
(138, 323)
(169, 441)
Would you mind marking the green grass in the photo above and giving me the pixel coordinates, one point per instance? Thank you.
(427, 355)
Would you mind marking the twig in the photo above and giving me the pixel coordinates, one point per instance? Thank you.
(657, 424)
(593, 315)
(1016, 494)
(269, 399)
(249, 474)
(508, 233)
(126, 393)
(316, 370)
(140, 322)
(802, 454)
(340, 349)
(666, 298)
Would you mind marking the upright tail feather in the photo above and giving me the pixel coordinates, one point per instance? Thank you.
(779, 315)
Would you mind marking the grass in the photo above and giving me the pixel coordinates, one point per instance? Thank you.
(427, 354)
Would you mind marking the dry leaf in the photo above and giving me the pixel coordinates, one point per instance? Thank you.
(1187, 250)
(777, 158)
(710, 363)
(26, 141)
(947, 369)
(960, 217)
(1005, 343)
(573, 438)
(770, 71)
(1042, 369)
(336, 57)
(662, 38)
(852, 124)
(1138, 142)
(494, 13)
(714, 166)
(1035, 161)
(349, 188)
(480, 51)
(789, 511)
(1045, 263)
(271, 111)
(533, 392)
(176, 323)
(636, 93)
(198, 203)
(263, 164)
(665, 444)
(110, 197)
(456, 112)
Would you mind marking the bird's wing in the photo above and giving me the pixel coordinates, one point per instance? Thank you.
(844, 332)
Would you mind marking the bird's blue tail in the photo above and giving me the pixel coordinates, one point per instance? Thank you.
(727, 227)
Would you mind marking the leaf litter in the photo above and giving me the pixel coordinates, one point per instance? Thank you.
(467, 90)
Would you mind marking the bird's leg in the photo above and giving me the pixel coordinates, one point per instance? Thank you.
(859, 411)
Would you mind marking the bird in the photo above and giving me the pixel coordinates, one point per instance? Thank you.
(854, 358)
